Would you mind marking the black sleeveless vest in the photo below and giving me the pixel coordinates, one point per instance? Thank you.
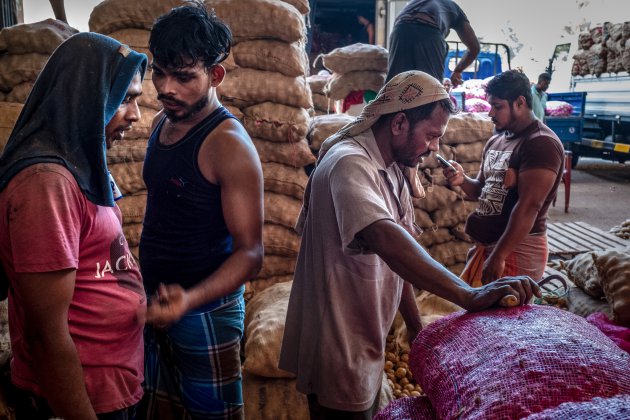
(184, 236)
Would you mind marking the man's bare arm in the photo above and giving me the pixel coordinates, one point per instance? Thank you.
(471, 186)
(469, 38)
(410, 261)
(46, 299)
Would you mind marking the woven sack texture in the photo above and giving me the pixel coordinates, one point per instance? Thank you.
(340, 85)
(514, 362)
(39, 37)
(613, 408)
(132, 207)
(468, 127)
(260, 19)
(356, 57)
(275, 56)
(128, 176)
(324, 126)
(281, 209)
(283, 179)
(416, 408)
(20, 68)
(127, 151)
(295, 154)
(276, 122)
(112, 15)
(280, 240)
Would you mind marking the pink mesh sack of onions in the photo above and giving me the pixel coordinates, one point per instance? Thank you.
(476, 105)
(514, 362)
(558, 109)
(475, 93)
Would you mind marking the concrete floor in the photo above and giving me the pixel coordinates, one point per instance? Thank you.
(600, 194)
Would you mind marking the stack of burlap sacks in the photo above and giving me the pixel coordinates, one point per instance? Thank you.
(266, 82)
(24, 50)
(605, 48)
(322, 105)
(130, 23)
(355, 67)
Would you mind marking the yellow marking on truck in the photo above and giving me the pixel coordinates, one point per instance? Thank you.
(624, 148)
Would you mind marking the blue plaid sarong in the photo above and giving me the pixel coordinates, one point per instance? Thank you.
(193, 369)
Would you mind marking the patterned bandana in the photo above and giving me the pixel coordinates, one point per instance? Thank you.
(407, 90)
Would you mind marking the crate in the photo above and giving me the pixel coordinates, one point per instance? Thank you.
(568, 129)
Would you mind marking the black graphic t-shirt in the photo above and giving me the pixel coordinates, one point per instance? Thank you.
(537, 147)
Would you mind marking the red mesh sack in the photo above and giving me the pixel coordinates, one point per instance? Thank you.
(614, 408)
(408, 408)
(513, 362)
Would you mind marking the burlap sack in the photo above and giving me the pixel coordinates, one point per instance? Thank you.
(585, 40)
(132, 37)
(272, 399)
(276, 122)
(39, 37)
(127, 151)
(613, 267)
(317, 82)
(264, 326)
(450, 253)
(132, 232)
(453, 214)
(322, 103)
(253, 287)
(468, 127)
(356, 57)
(324, 126)
(19, 93)
(582, 304)
(283, 179)
(275, 56)
(436, 236)
(112, 15)
(295, 154)
(301, 5)
(422, 219)
(468, 152)
(235, 111)
(141, 129)
(281, 209)
(280, 240)
(459, 232)
(340, 85)
(276, 265)
(596, 57)
(9, 113)
(625, 58)
(128, 177)
(244, 87)
(437, 197)
(260, 19)
(20, 68)
(582, 271)
(132, 207)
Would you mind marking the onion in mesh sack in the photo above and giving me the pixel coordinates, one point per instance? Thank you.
(476, 105)
(558, 109)
(476, 93)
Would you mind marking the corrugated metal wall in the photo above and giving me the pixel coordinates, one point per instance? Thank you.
(8, 13)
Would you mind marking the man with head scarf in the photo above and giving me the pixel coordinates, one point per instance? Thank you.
(358, 246)
(75, 290)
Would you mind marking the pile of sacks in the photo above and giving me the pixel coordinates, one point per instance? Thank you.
(605, 48)
(24, 50)
(442, 213)
(322, 105)
(475, 97)
(356, 67)
(130, 23)
(266, 83)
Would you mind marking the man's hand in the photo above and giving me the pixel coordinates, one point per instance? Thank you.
(168, 305)
(456, 78)
(455, 177)
(522, 287)
(493, 268)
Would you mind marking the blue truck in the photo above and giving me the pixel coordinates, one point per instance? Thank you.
(600, 123)
(493, 58)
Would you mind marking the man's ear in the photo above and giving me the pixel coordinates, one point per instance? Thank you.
(399, 123)
(217, 72)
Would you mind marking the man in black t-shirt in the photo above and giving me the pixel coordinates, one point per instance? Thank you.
(520, 172)
(418, 39)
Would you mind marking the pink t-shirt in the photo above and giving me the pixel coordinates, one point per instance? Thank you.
(47, 224)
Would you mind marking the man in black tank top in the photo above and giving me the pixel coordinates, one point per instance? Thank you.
(202, 233)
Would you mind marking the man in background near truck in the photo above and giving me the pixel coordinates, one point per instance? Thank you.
(357, 247)
(418, 39)
(75, 289)
(202, 233)
(539, 95)
(520, 172)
